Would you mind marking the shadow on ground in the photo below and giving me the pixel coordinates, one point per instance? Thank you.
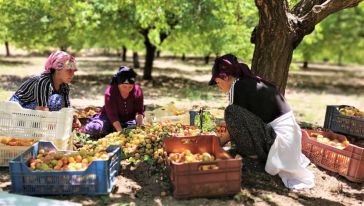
(7, 62)
(174, 82)
(329, 84)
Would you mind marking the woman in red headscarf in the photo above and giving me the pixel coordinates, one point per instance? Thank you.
(260, 122)
(50, 90)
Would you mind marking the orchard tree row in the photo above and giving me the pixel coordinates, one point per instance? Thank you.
(266, 34)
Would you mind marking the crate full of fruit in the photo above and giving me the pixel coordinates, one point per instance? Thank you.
(333, 152)
(44, 170)
(10, 147)
(346, 120)
(199, 167)
(18, 122)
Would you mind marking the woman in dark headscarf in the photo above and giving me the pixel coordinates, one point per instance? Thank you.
(50, 90)
(124, 105)
(260, 122)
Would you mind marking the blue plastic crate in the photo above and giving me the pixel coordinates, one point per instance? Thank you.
(347, 125)
(99, 178)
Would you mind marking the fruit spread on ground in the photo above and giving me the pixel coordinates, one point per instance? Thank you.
(143, 144)
(87, 112)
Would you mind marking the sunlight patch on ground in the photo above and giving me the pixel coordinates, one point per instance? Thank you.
(5, 95)
(176, 63)
(22, 66)
(311, 106)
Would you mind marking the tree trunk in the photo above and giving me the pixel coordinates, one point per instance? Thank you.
(136, 60)
(183, 57)
(7, 48)
(149, 59)
(305, 65)
(281, 29)
(206, 59)
(273, 55)
(158, 53)
(123, 53)
(63, 48)
(339, 58)
(149, 55)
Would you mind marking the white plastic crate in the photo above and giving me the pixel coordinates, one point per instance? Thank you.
(8, 153)
(56, 126)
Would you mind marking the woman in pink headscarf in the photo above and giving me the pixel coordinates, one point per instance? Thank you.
(50, 90)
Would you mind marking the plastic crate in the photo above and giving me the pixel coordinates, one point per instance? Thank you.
(18, 122)
(348, 162)
(8, 153)
(347, 125)
(98, 178)
(190, 181)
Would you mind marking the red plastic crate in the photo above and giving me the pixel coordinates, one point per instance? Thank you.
(348, 162)
(189, 180)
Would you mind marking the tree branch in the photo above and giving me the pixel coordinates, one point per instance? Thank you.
(318, 12)
(302, 7)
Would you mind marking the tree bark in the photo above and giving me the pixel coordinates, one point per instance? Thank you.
(281, 29)
(158, 54)
(183, 57)
(123, 53)
(7, 48)
(136, 60)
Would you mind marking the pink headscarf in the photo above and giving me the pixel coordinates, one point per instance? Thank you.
(60, 60)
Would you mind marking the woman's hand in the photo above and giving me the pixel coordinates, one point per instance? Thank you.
(76, 122)
(224, 138)
(117, 126)
(139, 119)
(41, 108)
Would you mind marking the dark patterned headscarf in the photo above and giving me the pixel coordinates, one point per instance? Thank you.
(125, 75)
(228, 65)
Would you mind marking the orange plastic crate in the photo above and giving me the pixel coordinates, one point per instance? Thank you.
(189, 180)
(348, 162)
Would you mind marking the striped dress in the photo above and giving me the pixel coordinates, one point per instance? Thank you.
(38, 90)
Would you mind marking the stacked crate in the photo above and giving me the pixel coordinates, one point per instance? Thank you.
(344, 124)
(18, 122)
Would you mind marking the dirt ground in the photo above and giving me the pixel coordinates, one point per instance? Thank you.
(185, 83)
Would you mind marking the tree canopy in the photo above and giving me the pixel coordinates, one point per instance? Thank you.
(200, 28)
